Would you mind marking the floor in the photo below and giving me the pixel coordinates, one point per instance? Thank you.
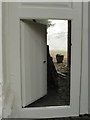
(55, 97)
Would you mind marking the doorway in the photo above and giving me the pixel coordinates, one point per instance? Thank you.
(53, 55)
(20, 62)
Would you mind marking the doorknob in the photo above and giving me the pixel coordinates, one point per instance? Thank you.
(44, 61)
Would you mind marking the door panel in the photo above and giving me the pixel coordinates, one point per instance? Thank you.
(33, 53)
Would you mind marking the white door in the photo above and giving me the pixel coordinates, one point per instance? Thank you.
(33, 61)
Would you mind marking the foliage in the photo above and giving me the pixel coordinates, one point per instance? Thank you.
(59, 54)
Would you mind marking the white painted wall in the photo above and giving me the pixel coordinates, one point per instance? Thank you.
(84, 67)
(8, 96)
(89, 57)
(0, 59)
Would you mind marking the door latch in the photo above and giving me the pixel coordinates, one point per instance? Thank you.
(44, 61)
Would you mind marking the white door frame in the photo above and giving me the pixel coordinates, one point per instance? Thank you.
(84, 98)
(17, 11)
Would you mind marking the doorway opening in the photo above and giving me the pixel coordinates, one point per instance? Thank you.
(58, 47)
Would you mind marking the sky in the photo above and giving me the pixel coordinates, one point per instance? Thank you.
(57, 35)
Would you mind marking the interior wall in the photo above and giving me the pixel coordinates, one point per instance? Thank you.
(0, 60)
(84, 62)
(88, 57)
(7, 92)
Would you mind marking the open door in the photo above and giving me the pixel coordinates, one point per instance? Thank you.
(33, 61)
